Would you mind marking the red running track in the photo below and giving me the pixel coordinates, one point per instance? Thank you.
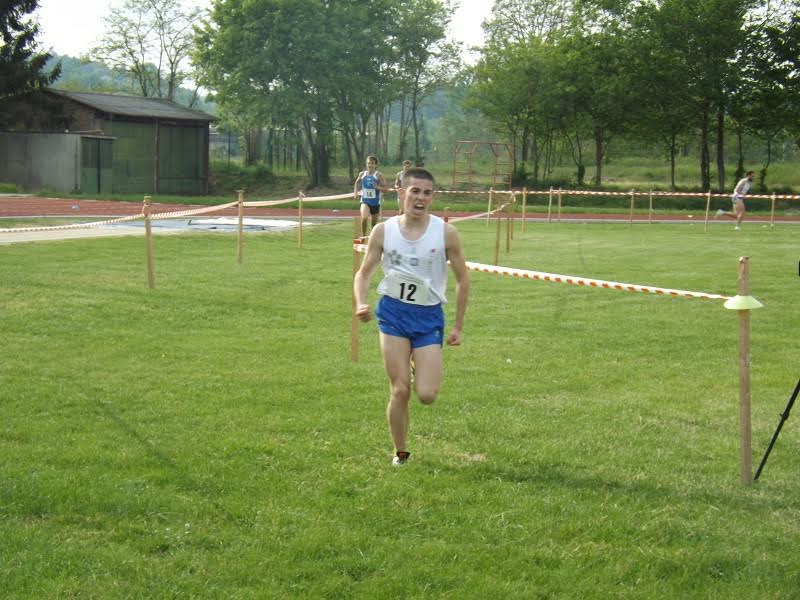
(34, 206)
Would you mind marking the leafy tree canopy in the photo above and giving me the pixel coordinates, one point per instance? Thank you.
(22, 67)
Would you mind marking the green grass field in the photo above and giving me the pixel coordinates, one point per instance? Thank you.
(210, 438)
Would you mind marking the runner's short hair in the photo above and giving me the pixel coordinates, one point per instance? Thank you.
(419, 173)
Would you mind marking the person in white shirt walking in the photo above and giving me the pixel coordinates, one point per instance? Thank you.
(398, 185)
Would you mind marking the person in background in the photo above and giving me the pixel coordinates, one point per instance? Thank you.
(368, 186)
(737, 198)
(398, 185)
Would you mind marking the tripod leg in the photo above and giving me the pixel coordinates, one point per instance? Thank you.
(784, 416)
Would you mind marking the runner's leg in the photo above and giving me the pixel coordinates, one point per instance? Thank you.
(427, 372)
(396, 352)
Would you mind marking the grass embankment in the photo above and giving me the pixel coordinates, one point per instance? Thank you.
(211, 438)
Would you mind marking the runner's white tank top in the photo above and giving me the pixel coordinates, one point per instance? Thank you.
(415, 271)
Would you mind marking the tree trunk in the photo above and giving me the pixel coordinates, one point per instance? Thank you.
(577, 157)
(285, 145)
(526, 134)
(721, 149)
(348, 148)
(401, 146)
(387, 119)
(705, 160)
(270, 146)
(415, 122)
(253, 139)
(762, 174)
(535, 155)
(318, 145)
(740, 158)
(598, 155)
(672, 152)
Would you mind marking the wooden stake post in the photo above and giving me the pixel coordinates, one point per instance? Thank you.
(708, 207)
(353, 318)
(772, 212)
(633, 203)
(549, 204)
(497, 241)
(743, 303)
(524, 206)
(148, 237)
(489, 208)
(300, 197)
(745, 452)
(509, 223)
(240, 226)
(559, 205)
(650, 196)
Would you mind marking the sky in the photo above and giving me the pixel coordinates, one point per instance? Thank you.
(65, 27)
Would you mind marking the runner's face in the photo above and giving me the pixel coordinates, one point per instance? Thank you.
(418, 196)
(372, 164)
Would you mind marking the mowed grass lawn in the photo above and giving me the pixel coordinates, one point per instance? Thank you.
(210, 438)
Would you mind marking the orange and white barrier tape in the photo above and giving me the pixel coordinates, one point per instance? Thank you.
(325, 198)
(262, 203)
(155, 217)
(71, 225)
(599, 283)
(478, 216)
(628, 194)
(467, 192)
(646, 194)
(191, 211)
(582, 281)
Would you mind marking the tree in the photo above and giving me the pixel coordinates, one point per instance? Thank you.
(151, 41)
(519, 21)
(704, 36)
(314, 66)
(661, 103)
(784, 44)
(764, 93)
(599, 65)
(512, 88)
(22, 68)
(426, 61)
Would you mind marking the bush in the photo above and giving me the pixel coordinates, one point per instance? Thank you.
(519, 177)
(225, 178)
(8, 188)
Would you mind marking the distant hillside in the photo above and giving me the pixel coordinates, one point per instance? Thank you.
(78, 75)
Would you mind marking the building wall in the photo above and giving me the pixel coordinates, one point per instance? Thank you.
(182, 160)
(149, 156)
(41, 160)
(158, 158)
(134, 155)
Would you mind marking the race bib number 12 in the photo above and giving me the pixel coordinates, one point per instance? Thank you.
(407, 289)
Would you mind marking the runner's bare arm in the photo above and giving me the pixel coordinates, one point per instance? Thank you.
(455, 254)
(364, 273)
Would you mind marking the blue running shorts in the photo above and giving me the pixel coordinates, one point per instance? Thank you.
(421, 325)
(374, 209)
